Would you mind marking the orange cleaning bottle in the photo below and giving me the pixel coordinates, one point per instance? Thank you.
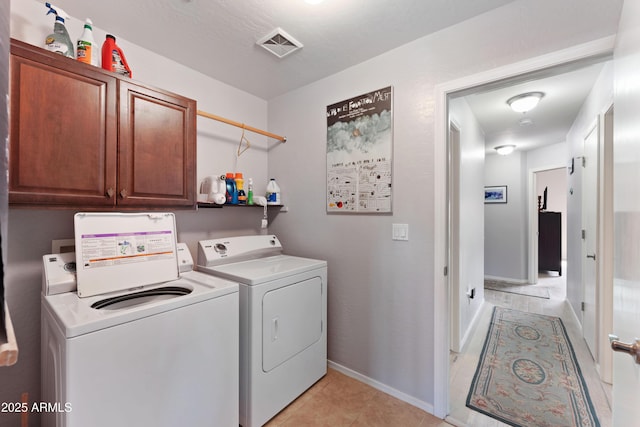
(113, 58)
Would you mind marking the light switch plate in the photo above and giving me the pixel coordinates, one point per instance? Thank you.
(400, 231)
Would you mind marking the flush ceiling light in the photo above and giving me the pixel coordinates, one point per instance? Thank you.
(505, 149)
(525, 102)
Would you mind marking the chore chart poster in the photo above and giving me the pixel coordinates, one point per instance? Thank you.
(359, 153)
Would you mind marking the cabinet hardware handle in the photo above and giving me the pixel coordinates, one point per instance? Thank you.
(592, 256)
(631, 349)
(123, 193)
(110, 193)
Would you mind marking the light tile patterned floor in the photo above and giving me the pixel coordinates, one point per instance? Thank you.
(338, 400)
(463, 365)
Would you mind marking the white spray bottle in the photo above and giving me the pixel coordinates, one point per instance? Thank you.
(59, 41)
(87, 50)
(218, 189)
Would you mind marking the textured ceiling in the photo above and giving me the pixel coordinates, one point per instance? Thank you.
(565, 91)
(218, 37)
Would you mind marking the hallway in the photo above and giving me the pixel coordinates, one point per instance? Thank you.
(463, 365)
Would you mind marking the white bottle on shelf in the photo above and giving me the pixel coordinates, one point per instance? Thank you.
(273, 193)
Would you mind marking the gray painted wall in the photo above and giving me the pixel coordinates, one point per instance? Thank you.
(32, 230)
(506, 226)
(380, 291)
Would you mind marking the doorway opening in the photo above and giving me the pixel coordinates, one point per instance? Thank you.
(530, 70)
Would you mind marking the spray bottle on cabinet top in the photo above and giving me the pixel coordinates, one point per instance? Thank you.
(87, 50)
(59, 41)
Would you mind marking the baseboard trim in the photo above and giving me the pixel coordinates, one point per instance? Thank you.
(471, 327)
(382, 387)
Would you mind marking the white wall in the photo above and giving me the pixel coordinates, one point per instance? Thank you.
(381, 291)
(471, 228)
(31, 231)
(626, 209)
(596, 104)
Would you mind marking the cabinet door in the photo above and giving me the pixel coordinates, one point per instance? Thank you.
(63, 136)
(157, 148)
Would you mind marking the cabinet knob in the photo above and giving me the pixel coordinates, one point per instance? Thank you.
(123, 193)
(110, 193)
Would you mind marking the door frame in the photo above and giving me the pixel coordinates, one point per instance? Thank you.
(605, 243)
(597, 48)
(532, 210)
(454, 236)
(593, 342)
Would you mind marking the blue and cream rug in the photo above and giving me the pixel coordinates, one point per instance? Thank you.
(528, 374)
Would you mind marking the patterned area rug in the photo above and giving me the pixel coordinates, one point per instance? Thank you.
(515, 288)
(528, 374)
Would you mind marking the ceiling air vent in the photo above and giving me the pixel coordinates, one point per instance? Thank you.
(279, 43)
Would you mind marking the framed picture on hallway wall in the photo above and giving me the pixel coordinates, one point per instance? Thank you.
(495, 194)
(359, 153)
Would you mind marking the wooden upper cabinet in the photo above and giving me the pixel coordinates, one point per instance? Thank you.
(157, 147)
(63, 134)
(84, 137)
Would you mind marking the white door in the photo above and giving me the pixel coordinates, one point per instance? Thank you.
(626, 297)
(589, 241)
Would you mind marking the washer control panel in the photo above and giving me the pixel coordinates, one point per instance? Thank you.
(235, 249)
(59, 273)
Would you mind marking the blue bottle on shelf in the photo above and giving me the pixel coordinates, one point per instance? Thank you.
(232, 192)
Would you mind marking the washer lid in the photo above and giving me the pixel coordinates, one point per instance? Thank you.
(257, 271)
(76, 316)
(117, 251)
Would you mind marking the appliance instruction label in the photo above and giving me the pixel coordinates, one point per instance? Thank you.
(103, 250)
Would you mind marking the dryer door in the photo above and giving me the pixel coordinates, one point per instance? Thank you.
(291, 321)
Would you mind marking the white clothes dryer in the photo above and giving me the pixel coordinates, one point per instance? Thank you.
(154, 352)
(283, 320)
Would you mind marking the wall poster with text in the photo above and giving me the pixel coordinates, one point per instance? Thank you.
(359, 153)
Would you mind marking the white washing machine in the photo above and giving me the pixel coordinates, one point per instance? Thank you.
(129, 340)
(283, 320)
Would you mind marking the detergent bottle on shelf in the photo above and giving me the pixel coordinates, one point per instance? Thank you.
(87, 51)
(273, 193)
(232, 191)
(242, 196)
(59, 41)
(113, 58)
